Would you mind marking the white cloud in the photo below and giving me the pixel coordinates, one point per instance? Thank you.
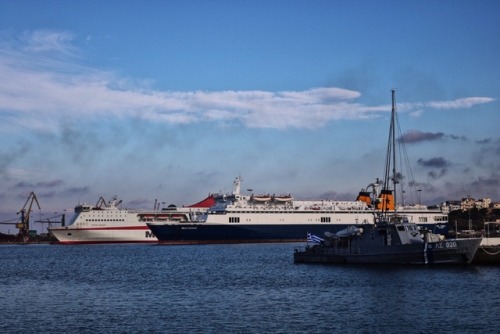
(460, 103)
(417, 113)
(42, 82)
(48, 41)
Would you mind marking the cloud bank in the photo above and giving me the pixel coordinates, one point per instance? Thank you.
(43, 80)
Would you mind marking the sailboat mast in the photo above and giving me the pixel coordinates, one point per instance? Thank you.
(387, 199)
(393, 140)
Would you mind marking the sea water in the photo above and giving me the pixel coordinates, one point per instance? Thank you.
(251, 288)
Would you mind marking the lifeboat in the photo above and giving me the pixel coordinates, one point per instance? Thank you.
(286, 198)
(260, 198)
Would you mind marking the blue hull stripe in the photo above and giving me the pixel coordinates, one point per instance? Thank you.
(208, 233)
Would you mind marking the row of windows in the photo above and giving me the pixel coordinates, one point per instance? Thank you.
(104, 220)
(282, 212)
(237, 219)
(436, 218)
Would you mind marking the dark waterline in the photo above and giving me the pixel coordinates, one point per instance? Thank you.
(233, 289)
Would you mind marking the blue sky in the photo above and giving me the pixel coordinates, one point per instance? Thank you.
(171, 100)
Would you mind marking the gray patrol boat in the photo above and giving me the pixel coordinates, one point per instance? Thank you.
(390, 239)
(388, 243)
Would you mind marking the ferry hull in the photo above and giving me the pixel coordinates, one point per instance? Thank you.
(129, 234)
(206, 233)
(217, 233)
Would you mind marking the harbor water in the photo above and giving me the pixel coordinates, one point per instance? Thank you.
(234, 289)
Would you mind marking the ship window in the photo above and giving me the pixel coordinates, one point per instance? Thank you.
(325, 219)
(422, 219)
(234, 219)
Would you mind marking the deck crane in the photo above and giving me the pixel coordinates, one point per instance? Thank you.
(24, 225)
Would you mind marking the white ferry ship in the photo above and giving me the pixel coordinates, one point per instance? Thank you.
(107, 223)
(238, 218)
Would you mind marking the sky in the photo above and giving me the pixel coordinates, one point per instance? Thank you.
(171, 100)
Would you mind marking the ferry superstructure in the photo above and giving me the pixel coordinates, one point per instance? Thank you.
(106, 222)
(238, 218)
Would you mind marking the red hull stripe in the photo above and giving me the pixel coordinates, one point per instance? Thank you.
(103, 242)
(120, 228)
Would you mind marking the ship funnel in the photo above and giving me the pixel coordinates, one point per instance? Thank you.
(364, 196)
(385, 201)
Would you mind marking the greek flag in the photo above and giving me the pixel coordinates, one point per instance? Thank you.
(313, 238)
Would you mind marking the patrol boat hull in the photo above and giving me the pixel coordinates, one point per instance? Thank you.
(449, 252)
(400, 243)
